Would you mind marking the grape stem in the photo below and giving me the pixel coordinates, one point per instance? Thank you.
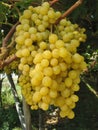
(73, 7)
(7, 61)
(53, 2)
(9, 35)
(4, 51)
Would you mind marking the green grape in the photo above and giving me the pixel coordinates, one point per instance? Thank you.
(56, 70)
(65, 93)
(27, 14)
(44, 62)
(47, 81)
(32, 30)
(25, 52)
(36, 97)
(63, 52)
(47, 54)
(53, 38)
(71, 115)
(59, 44)
(68, 82)
(28, 42)
(55, 53)
(44, 91)
(48, 71)
(53, 93)
(38, 58)
(20, 40)
(41, 28)
(53, 62)
(43, 45)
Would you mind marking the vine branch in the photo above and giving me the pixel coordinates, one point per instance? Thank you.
(9, 35)
(7, 61)
(5, 50)
(73, 7)
(53, 2)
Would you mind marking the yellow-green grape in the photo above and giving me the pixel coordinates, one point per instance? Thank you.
(64, 114)
(47, 81)
(63, 22)
(47, 54)
(55, 53)
(53, 62)
(33, 37)
(35, 81)
(25, 52)
(77, 58)
(54, 85)
(51, 14)
(63, 52)
(56, 70)
(83, 65)
(44, 106)
(32, 30)
(73, 105)
(68, 82)
(59, 101)
(38, 58)
(72, 74)
(64, 107)
(38, 67)
(19, 28)
(36, 97)
(53, 38)
(24, 21)
(44, 63)
(44, 91)
(26, 27)
(48, 71)
(75, 87)
(61, 86)
(53, 93)
(43, 45)
(28, 42)
(20, 40)
(27, 14)
(46, 99)
(74, 98)
(65, 93)
(39, 36)
(63, 66)
(71, 115)
(59, 44)
(69, 101)
(26, 68)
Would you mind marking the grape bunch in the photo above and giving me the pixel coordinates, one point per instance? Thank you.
(50, 65)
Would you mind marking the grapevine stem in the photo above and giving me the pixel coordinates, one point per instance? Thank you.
(7, 61)
(73, 7)
(53, 2)
(9, 35)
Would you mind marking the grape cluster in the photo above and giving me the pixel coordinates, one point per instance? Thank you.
(49, 62)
